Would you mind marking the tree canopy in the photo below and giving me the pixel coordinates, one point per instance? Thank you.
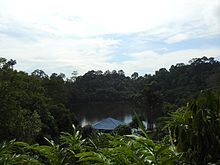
(41, 105)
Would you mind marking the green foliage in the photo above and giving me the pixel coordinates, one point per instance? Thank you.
(130, 149)
(9, 156)
(63, 117)
(36, 106)
(51, 154)
(87, 131)
(102, 148)
(195, 129)
(51, 98)
(122, 130)
(18, 118)
(73, 142)
(28, 110)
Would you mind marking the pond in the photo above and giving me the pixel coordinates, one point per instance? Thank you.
(122, 111)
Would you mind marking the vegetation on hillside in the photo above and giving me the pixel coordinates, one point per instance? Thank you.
(37, 110)
(37, 105)
(192, 138)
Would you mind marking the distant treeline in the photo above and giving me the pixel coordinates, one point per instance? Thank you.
(33, 106)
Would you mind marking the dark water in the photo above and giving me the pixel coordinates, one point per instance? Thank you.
(122, 111)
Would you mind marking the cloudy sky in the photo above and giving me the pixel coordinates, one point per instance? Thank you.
(133, 35)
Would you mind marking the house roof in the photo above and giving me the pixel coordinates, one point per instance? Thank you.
(107, 124)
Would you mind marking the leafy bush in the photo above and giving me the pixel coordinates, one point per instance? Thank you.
(130, 149)
(122, 130)
(102, 148)
(195, 129)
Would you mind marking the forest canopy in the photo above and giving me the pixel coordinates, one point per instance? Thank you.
(38, 105)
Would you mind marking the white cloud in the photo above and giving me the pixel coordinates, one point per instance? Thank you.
(97, 17)
(91, 54)
(60, 36)
(59, 55)
(177, 38)
(150, 61)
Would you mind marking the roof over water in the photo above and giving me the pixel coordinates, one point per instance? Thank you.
(107, 124)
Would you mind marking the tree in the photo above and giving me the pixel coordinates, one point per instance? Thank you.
(114, 72)
(121, 73)
(73, 76)
(5, 64)
(107, 72)
(62, 75)
(134, 76)
(153, 104)
(63, 117)
(17, 119)
(99, 72)
(10, 64)
(39, 73)
(2, 62)
(24, 125)
(195, 129)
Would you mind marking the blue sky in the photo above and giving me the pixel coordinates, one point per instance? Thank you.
(133, 35)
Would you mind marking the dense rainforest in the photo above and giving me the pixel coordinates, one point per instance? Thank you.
(37, 106)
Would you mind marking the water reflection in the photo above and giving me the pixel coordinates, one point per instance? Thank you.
(92, 113)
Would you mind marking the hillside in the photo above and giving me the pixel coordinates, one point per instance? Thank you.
(37, 105)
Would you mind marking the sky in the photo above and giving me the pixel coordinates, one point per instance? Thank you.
(61, 36)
